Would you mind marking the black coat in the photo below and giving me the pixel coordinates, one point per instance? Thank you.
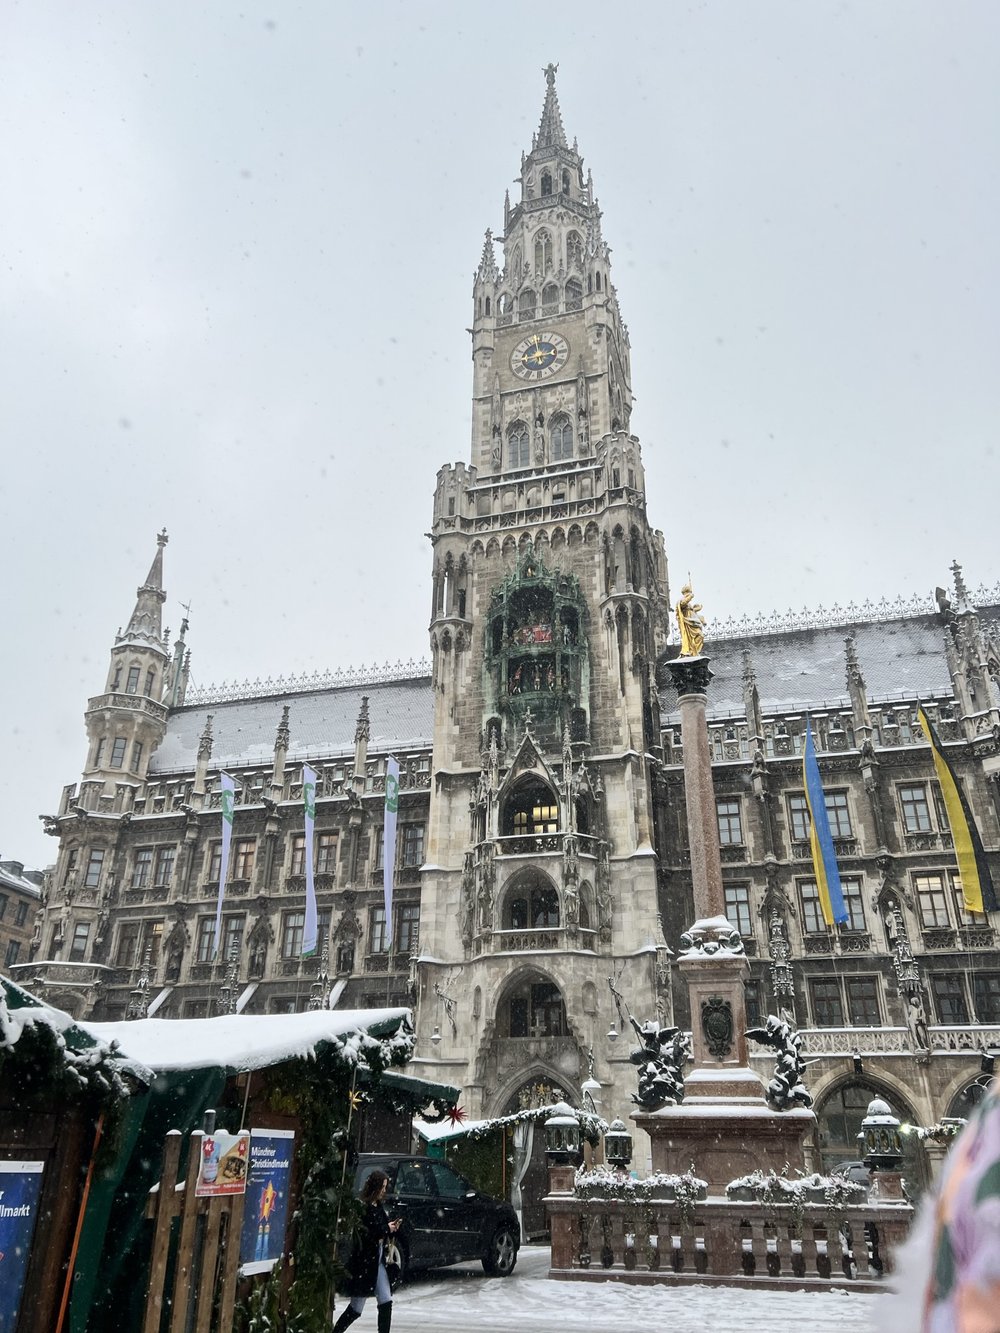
(362, 1263)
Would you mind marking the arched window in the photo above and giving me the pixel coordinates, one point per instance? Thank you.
(560, 439)
(598, 275)
(546, 183)
(574, 295)
(565, 182)
(574, 250)
(534, 1009)
(519, 445)
(543, 252)
(550, 299)
(530, 808)
(487, 305)
(532, 904)
(526, 304)
(515, 264)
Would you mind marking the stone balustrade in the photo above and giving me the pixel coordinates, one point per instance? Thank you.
(809, 1246)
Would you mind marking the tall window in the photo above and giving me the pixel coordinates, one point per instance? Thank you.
(409, 928)
(561, 439)
(751, 996)
(543, 252)
(4, 900)
(297, 864)
(379, 848)
(730, 824)
(378, 943)
(550, 299)
(916, 811)
(72, 858)
(128, 944)
(738, 907)
(164, 866)
(13, 949)
(99, 749)
(838, 814)
(132, 681)
(214, 869)
(118, 752)
(949, 998)
(542, 817)
(326, 853)
(95, 862)
(243, 853)
(798, 818)
(862, 1002)
(519, 446)
(78, 944)
(526, 304)
(854, 903)
(812, 913)
(827, 1005)
(574, 250)
(932, 901)
(574, 294)
(136, 755)
(292, 927)
(21, 915)
(413, 844)
(986, 986)
(150, 681)
(205, 942)
(232, 936)
(142, 867)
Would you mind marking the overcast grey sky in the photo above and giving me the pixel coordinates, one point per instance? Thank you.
(237, 252)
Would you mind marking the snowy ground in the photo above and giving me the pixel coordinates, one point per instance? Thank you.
(464, 1298)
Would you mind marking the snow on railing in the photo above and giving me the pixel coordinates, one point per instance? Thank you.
(854, 613)
(306, 684)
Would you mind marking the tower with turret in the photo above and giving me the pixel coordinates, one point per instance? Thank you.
(549, 607)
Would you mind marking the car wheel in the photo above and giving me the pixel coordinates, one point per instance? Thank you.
(396, 1261)
(501, 1255)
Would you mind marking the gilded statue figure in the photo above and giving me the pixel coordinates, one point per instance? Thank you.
(690, 624)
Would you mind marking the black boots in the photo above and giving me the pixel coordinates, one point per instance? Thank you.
(384, 1317)
(348, 1317)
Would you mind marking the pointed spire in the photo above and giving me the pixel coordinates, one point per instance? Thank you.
(362, 732)
(283, 735)
(550, 132)
(962, 603)
(488, 261)
(146, 622)
(205, 741)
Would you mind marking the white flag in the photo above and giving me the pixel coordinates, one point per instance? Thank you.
(309, 800)
(228, 802)
(389, 840)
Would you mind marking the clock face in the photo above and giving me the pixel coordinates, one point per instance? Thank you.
(539, 356)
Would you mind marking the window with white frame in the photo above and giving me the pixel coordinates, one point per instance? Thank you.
(292, 927)
(205, 939)
(853, 901)
(916, 811)
(413, 844)
(377, 937)
(326, 853)
(812, 912)
(838, 814)
(297, 858)
(730, 823)
(409, 928)
(737, 897)
(932, 900)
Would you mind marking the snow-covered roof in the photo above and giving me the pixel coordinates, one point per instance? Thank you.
(321, 724)
(242, 1041)
(14, 876)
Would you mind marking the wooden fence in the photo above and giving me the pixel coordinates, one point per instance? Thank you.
(726, 1243)
(196, 1250)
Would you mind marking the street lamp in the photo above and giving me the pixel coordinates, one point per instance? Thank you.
(882, 1140)
(562, 1136)
(618, 1145)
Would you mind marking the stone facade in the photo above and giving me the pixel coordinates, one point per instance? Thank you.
(542, 844)
(20, 897)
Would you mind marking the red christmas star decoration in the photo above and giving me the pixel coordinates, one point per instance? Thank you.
(456, 1115)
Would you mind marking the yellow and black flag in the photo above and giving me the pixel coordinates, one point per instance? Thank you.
(977, 883)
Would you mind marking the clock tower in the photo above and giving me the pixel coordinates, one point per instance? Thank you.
(550, 602)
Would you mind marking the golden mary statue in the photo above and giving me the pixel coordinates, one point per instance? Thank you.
(690, 624)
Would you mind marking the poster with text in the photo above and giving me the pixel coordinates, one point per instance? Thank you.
(20, 1185)
(265, 1212)
(223, 1168)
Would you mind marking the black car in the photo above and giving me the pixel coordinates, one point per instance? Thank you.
(445, 1221)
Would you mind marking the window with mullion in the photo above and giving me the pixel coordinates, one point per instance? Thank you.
(916, 811)
(413, 844)
(297, 860)
(95, 863)
(737, 897)
(798, 817)
(205, 943)
(838, 814)
(730, 822)
(950, 998)
(292, 928)
(326, 853)
(142, 867)
(932, 901)
(962, 913)
(863, 1002)
(243, 854)
(409, 928)
(164, 866)
(827, 1003)
(854, 903)
(812, 913)
(232, 936)
(377, 936)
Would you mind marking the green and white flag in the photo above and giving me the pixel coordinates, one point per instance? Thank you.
(228, 804)
(309, 801)
(389, 840)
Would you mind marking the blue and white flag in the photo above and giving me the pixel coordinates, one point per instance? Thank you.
(389, 840)
(228, 802)
(309, 801)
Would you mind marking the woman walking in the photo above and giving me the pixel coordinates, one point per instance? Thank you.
(366, 1267)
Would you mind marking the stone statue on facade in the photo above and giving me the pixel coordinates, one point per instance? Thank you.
(660, 1058)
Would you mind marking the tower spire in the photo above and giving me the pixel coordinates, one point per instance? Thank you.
(550, 132)
(145, 625)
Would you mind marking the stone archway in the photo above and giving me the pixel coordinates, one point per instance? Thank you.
(838, 1121)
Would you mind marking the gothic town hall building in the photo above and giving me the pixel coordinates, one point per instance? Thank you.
(541, 843)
